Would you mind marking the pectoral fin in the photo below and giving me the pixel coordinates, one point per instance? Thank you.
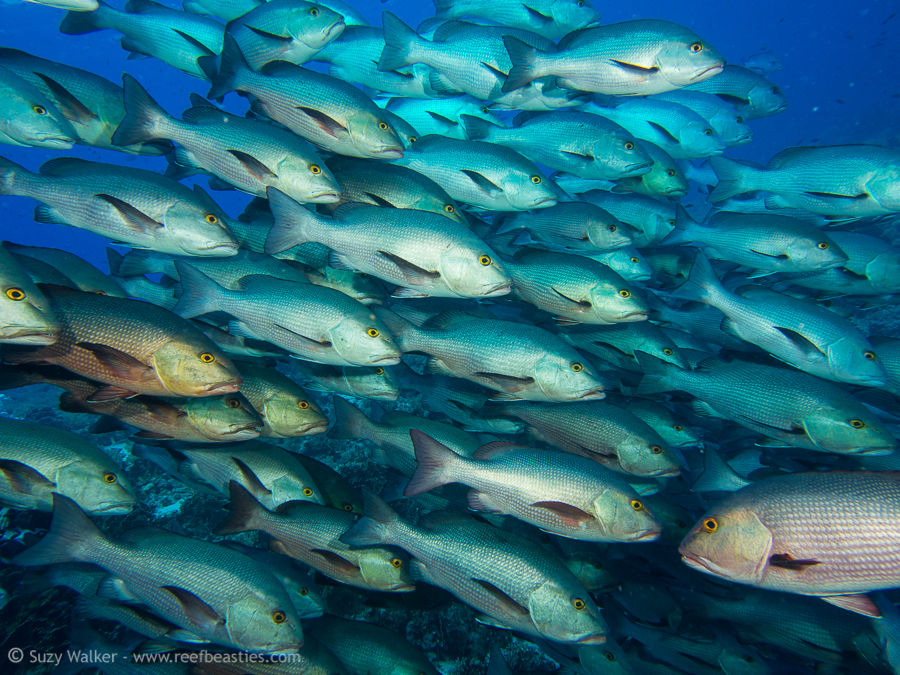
(787, 562)
(136, 219)
(110, 393)
(805, 345)
(580, 305)
(327, 124)
(664, 132)
(540, 17)
(483, 183)
(22, 478)
(121, 364)
(568, 514)
(198, 612)
(333, 559)
(509, 383)
(511, 606)
(266, 35)
(836, 197)
(252, 481)
(253, 166)
(71, 108)
(414, 275)
(635, 69)
(443, 120)
(860, 604)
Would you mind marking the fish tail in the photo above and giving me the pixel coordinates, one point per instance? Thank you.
(200, 294)
(717, 475)
(657, 373)
(377, 524)
(732, 179)
(71, 534)
(476, 128)
(79, 23)
(141, 261)
(292, 223)
(231, 64)
(349, 421)
(243, 510)
(144, 119)
(114, 260)
(702, 285)
(9, 171)
(684, 226)
(433, 459)
(525, 63)
(403, 331)
(400, 42)
(443, 7)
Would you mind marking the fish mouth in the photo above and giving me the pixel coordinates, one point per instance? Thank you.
(327, 32)
(876, 451)
(404, 588)
(715, 70)
(635, 316)
(241, 428)
(28, 336)
(740, 140)
(779, 109)
(386, 360)
(55, 142)
(371, 299)
(216, 247)
(284, 649)
(544, 200)
(595, 393)
(665, 473)
(677, 192)
(699, 563)
(311, 429)
(497, 289)
(330, 197)
(591, 640)
(647, 535)
(221, 388)
(116, 509)
(637, 167)
(389, 152)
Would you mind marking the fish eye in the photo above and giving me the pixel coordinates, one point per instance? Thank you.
(308, 492)
(708, 132)
(313, 11)
(678, 427)
(383, 126)
(857, 424)
(206, 357)
(870, 356)
(823, 245)
(625, 293)
(396, 562)
(581, 3)
(635, 260)
(612, 228)
(637, 504)
(379, 370)
(578, 604)
(234, 403)
(696, 47)
(373, 332)
(536, 179)
(15, 294)
(655, 449)
(740, 120)
(629, 145)
(348, 507)
(39, 109)
(485, 260)
(279, 617)
(610, 657)
(680, 523)
(101, 292)
(597, 565)
(710, 524)
(749, 659)
(670, 173)
(110, 478)
(363, 275)
(776, 90)
(304, 592)
(303, 405)
(211, 218)
(315, 169)
(668, 351)
(413, 139)
(485, 109)
(449, 208)
(577, 367)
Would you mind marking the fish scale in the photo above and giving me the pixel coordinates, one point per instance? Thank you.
(752, 94)
(551, 18)
(286, 409)
(139, 330)
(654, 218)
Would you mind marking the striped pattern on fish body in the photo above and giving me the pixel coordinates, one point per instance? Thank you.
(797, 409)
(383, 184)
(38, 460)
(574, 289)
(312, 322)
(816, 533)
(285, 30)
(133, 346)
(329, 113)
(532, 364)
(135, 206)
(92, 104)
(311, 534)
(589, 146)
(286, 410)
(482, 174)
(558, 492)
(177, 38)
(599, 431)
(517, 583)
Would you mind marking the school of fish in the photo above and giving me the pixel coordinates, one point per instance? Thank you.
(476, 389)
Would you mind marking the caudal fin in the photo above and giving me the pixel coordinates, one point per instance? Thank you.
(476, 128)
(657, 374)
(72, 535)
(684, 228)
(144, 119)
(525, 63)
(9, 171)
(702, 285)
(400, 42)
(79, 23)
(433, 460)
(292, 222)
(377, 524)
(717, 475)
(243, 511)
(732, 179)
(349, 421)
(231, 64)
(200, 294)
